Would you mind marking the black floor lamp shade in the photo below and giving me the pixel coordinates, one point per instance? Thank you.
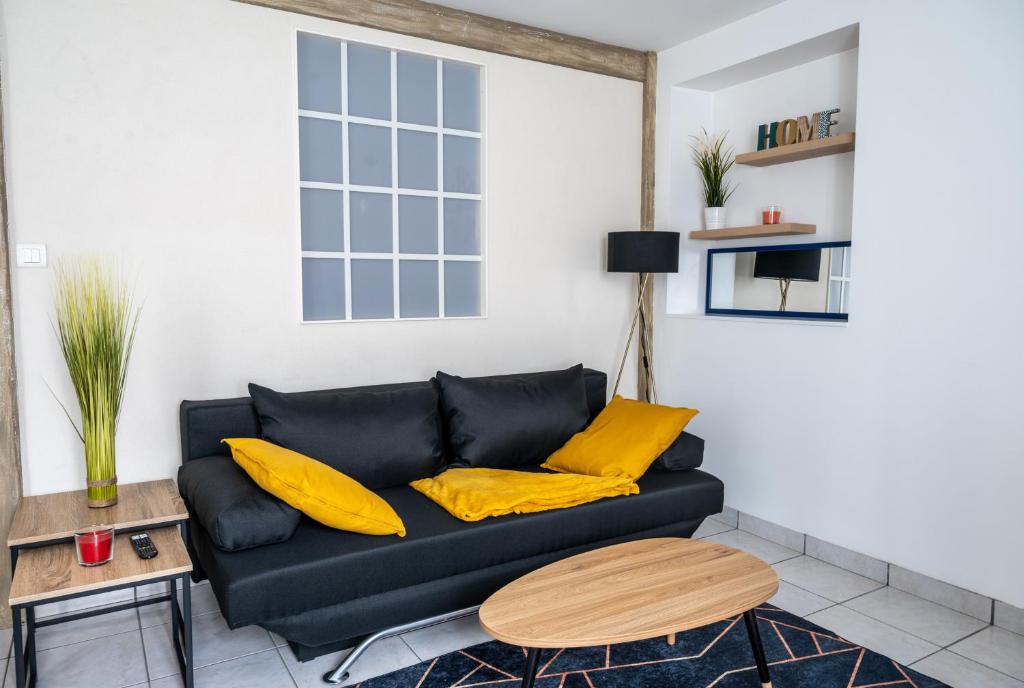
(643, 251)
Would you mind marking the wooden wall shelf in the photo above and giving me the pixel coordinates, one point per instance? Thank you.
(840, 143)
(753, 232)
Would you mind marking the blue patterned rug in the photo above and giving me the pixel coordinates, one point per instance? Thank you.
(800, 654)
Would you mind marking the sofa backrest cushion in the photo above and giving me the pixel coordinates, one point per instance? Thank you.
(205, 423)
(378, 437)
(511, 420)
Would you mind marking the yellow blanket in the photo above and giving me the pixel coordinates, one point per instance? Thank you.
(473, 494)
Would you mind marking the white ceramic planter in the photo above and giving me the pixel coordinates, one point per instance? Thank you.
(714, 218)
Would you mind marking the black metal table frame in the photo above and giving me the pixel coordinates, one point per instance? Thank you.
(749, 617)
(24, 650)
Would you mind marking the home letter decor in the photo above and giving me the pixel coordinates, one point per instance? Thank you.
(803, 128)
(786, 133)
(790, 131)
(766, 135)
(825, 123)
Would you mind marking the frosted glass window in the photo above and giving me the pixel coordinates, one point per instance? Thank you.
(417, 160)
(418, 291)
(323, 289)
(323, 224)
(369, 156)
(417, 224)
(369, 81)
(838, 256)
(417, 89)
(319, 73)
(372, 289)
(461, 227)
(461, 96)
(461, 164)
(370, 222)
(319, 150)
(390, 183)
(461, 288)
(835, 293)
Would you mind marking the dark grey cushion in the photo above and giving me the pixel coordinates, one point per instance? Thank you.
(236, 512)
(686, 453)
(381, 438)
(512, 420)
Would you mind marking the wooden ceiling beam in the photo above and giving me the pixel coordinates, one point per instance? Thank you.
(440, 23)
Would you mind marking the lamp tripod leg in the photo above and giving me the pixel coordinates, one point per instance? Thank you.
(647, 355)
(632, 330)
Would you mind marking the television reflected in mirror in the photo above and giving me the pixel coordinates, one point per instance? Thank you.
(801, 281)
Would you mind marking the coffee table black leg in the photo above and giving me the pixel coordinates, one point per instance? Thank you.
(755, 642)
(530, 670)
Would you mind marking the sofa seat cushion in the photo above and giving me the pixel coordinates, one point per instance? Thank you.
(319, 566)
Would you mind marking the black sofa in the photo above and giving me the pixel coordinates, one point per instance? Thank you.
(325, 589)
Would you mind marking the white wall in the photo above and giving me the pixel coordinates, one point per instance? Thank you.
(898, 436)
(163, 132)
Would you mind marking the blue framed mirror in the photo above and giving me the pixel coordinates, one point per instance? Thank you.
(799, 281)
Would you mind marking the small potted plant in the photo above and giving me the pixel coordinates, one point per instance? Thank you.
(713, 160)
(95, 324)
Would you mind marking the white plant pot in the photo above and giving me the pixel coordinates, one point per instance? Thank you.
(714, 218)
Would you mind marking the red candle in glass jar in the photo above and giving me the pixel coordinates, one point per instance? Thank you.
(771, 215)
(95, 546)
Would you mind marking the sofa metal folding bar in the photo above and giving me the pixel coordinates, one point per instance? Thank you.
(340, 673)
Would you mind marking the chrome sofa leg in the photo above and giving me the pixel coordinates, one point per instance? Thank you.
(340, 673)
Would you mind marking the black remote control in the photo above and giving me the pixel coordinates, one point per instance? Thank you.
(143, 546)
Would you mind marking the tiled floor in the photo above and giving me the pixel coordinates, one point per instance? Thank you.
(136, 651)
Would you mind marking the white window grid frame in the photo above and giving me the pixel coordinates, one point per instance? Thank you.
(394, 190)
(841, 282)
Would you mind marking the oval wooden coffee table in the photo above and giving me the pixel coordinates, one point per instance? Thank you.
(627, 592)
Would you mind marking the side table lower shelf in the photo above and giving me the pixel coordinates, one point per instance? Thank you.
(51, 573)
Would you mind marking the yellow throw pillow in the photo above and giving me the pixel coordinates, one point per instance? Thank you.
(623, 441)
(315, 489)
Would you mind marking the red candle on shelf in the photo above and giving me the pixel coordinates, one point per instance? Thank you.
(95, 546)
(771, 215)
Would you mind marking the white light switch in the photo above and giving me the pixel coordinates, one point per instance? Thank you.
(31, 255)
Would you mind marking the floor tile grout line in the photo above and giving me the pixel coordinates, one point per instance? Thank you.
(412, 649)
(286, 667)
(280, 655)
(142, 638)
(971, 659)
(885, 623)
(941, 649)
(969, 635)
(222, 661)
(87, 640)
(834, 603)
(914, 635)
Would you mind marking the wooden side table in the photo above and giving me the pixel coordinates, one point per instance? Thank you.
(45, 567)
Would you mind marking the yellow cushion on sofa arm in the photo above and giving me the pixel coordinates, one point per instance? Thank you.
(623, 441)
(315, 489)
